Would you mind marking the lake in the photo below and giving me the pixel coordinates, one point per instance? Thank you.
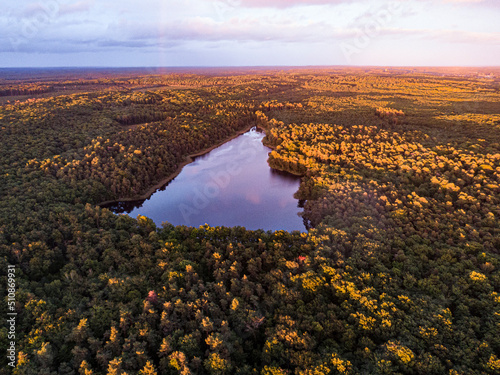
(232, 185)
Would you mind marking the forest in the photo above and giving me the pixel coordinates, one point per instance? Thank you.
(398, 273)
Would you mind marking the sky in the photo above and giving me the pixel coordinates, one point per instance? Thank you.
(131, 33)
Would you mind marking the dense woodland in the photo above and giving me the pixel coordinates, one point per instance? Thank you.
(399, 273)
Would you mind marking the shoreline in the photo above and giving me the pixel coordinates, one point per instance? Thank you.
(188, 160)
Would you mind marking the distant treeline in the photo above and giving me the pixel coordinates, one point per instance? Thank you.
(25, 90)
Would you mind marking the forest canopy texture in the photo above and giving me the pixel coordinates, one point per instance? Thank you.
(399, 273)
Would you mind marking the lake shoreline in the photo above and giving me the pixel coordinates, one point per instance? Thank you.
(188, 160)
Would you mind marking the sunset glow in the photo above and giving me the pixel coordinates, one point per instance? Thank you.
(249, 32)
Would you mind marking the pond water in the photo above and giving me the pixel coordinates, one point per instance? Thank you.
(231, 185)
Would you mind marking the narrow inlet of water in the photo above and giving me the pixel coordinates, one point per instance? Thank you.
(231, 185)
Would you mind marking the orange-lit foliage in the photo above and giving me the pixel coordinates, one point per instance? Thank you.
(399, 274)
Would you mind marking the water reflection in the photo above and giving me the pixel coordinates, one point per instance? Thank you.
(231, 186)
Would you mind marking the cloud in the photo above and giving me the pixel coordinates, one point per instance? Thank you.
(259, 29)
(467, 37)
(234, 29)
(32, 10)
(384, 14)
(282, 3)
(446, 36)
(266, 29)
(483, 3)
(273, 28)
(78, 7)
(54, 7)
(124, 43)
(126, 34)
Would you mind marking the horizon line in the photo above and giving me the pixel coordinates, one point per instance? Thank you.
(244, 66)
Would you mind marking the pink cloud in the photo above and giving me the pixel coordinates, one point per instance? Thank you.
(282, 30)
(237, 29)
(284, 3)
(454, 36)
(445, 35)
(480, 3)
(80, 6)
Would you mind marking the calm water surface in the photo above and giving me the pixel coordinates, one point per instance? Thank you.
(231, 185)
